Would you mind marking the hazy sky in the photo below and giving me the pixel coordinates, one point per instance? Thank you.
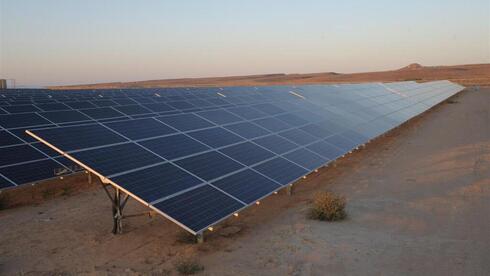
(67, 42)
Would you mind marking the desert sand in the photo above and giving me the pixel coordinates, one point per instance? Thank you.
(418, 204)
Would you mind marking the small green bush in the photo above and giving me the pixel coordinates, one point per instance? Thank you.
(328, 207)
(189, 267)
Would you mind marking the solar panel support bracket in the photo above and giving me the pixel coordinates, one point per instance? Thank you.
(200, 237)
(118, 203)
(289, 190)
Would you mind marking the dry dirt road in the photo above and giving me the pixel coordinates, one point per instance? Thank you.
(418, 204)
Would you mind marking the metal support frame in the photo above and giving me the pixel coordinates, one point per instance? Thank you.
(200, 237)
(118, 203)
(289, 190)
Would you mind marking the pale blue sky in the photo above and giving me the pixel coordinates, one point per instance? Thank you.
(66, 42)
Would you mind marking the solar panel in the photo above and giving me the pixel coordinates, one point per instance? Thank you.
(140, 128)
(182, 145)
(157, 182)
(107, 160)
(281, 170)
(80, 137)
(199, 208)
(247, 153)
(209, 165)
(185, 122)
(215, 137)
(247, 186)
(208, 156)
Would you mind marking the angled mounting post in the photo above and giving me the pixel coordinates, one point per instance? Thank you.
(118, 204)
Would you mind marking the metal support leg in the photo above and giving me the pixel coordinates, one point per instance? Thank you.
(117, 212)
(200, 237)
(289, 190)
(89, 178)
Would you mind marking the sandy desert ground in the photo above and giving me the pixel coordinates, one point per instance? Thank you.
(418, 204)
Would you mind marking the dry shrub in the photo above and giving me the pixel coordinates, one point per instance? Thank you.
(328, 206)
(189, 267)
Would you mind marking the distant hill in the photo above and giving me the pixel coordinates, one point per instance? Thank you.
(473, 74)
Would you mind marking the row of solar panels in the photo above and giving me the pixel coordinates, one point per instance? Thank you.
(25, 162)
(197, 168)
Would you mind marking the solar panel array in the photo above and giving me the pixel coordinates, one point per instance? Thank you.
(200, 155)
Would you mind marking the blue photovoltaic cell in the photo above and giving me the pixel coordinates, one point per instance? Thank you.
(355, 136)
(38, 170)
(306, 159)
(21, 108)
(158, 107)
(180, 105)
(298, 136)
(79, 137)
(247, 130)
(102, 113)
(341, 142)
(104, 103)
(140, 128)
(52, 106)
(219, 117)
(80, 105)
(317, 130)
(281, 170)
(246, 112)
(8, 139)
(181, 145)
(215, 137)
(292, 119)
(326, 150)
(275, 144)
(132, 109)
(116, 159)
(22, 120)
(156, 182)
(17, 154)
(64, 116)
(272, 124)
(199, 208)
(185, 122)
(124, 101)
(248, 186)
(68, 163)
(45, 149)
(209, 165)
(247, 153)
(269, 108)
(4, 183)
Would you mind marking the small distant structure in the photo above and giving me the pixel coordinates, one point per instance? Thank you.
(7, 83)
